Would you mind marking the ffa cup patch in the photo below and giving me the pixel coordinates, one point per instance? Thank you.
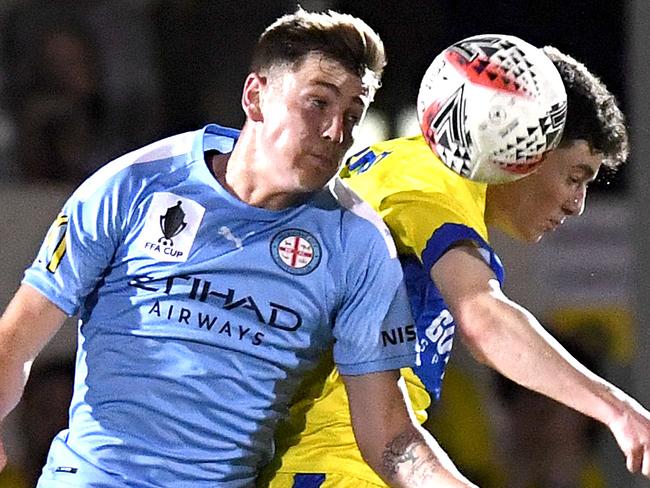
(170, 227)
(296, 251)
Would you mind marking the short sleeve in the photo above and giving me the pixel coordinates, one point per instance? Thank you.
(374, 329)
(80, 243)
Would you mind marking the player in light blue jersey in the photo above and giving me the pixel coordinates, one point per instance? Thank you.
(211, 271)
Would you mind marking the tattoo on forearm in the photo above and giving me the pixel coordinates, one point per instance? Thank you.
(402, 454)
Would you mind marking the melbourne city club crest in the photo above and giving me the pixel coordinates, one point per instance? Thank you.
(170, 227)
(296, 251)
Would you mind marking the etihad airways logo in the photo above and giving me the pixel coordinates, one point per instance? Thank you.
(196, 290)
(170, 227)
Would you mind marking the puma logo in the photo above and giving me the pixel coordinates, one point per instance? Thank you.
(227, 233)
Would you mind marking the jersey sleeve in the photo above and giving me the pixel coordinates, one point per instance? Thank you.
(80, 243)
(427, 224)
(374, 329)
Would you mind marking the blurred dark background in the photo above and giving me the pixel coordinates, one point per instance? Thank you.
(86, 81)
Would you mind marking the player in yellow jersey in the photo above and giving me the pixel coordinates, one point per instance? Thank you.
(439, 221)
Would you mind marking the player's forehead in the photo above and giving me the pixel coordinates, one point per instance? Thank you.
(318, 71)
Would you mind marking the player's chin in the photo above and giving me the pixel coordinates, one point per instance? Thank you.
(313, 183)
(318, 177)
(533, 236)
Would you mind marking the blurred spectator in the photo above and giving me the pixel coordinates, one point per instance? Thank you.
(124, 35)
(504, 436)
(8, 167)
(46, 399)
(464, 421)
(62, 117)
(203, 51)
(80, 89)
(546, 444)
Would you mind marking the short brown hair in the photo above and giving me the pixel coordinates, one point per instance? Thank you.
(341, 37)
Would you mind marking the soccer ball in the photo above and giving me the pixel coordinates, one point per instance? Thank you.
(491, 107)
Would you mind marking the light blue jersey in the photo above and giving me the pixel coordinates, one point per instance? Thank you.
(199, 314)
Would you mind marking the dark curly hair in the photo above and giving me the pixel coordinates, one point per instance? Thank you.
(593, 114)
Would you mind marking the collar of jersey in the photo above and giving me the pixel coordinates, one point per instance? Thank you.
(217, 138)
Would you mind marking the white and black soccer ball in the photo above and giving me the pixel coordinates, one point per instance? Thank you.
(491, 107)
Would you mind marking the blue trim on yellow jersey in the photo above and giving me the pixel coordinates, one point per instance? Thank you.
(308, 480)
(434, 324)
(447, 235)
(364, 161)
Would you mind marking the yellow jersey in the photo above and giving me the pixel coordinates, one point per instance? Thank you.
(428, 208)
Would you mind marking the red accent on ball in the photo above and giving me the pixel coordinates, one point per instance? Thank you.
(523, 167)
(482, 71)
(427, 120)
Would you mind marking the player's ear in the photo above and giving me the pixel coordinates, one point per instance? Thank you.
(251, 99)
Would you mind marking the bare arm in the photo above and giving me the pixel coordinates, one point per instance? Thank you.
(391, 441)
(26, 326)
(508, 338)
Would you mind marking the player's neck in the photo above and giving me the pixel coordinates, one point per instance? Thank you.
(245, 181)
(496, 209)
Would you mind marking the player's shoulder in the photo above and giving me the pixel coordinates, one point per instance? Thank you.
(359, 222)
(410, 150)
(399, 145)
(403, 164)
(416, 167)
(390, 152)
(138, 167)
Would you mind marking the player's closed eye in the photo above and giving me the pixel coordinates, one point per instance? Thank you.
(353, 119)
(318, 103)
(577, 180)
